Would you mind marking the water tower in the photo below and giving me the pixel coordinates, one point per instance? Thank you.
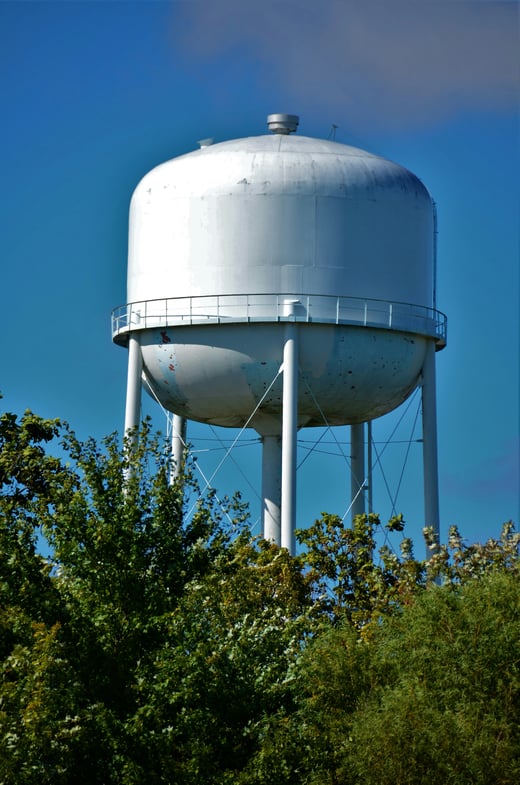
(280, 282)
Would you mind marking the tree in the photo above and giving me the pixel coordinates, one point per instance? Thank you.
(349, 578)
(164, 640)
(444, 703)
(28, 480)
(427, 690)
(153, 646)
(233, 642)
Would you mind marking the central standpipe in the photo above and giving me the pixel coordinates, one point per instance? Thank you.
(271, 488)
(178, 447)
(289, 429)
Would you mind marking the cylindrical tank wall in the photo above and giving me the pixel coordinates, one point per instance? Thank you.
(276, 214)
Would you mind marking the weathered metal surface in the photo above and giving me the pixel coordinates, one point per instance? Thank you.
(222, 237)
(219, 373)
(280, 213)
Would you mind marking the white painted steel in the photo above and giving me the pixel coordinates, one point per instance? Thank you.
(222, 237)
(218, 236)
(133, 385)
(271, 488)
(281, 213)
(289, 433)
(178, 446)
(249, 308)
(218, 374)
(430, 452)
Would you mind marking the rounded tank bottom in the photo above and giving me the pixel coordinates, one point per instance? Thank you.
(230, 375)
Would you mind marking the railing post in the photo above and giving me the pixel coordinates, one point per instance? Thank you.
(400, 316)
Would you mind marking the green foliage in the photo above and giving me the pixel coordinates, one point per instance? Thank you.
(357, 681)
(163, 642)
(28, 480)
(227, 662)
(433, 697)
(425, 690)
(347, 580)
(155, 648)
(446, 690)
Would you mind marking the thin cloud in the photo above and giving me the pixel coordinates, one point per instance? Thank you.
(404, 62)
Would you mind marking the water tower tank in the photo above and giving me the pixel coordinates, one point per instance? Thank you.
(230, 243)
(225, 240)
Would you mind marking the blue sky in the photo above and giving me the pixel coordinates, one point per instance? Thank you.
(97, 93)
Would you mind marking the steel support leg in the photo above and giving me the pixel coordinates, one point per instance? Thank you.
(429, 426)
(178, 447)
(289, 435)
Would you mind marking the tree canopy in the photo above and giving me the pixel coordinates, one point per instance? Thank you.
(140, 644)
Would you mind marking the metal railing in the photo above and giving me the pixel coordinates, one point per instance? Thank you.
(304, 308)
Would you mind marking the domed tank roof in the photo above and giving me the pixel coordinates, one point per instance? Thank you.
(282, 164)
